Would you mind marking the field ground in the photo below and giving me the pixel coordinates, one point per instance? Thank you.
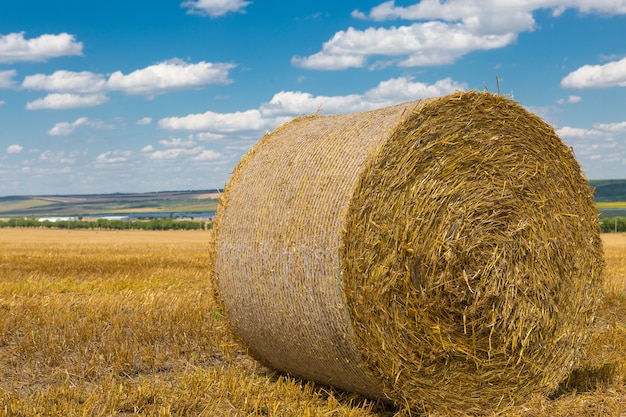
(100, 323)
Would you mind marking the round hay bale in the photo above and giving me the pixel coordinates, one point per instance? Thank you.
(443, 254)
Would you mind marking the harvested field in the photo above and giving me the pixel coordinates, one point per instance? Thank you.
(123, 323)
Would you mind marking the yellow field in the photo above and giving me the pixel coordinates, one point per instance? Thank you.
(99, 323)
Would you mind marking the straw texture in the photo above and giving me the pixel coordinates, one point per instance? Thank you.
(443, 254)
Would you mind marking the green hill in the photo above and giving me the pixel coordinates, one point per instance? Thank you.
(609, 190)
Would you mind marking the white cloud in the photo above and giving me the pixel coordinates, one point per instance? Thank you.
(66, 128)
(386, 93)
(177, 143)
(173, 153)
(578, 133)
(612, 74)
(113, 157)
(208, 136)
(147, 148)
(443, 31)
(216, 122)
(66, 101)
(207, 155)
(144, 121)
(14, 47)
(2, 102)
(423, 44)
(171, 75)
(215, 8)
(6, 78)
(66, 82)
(15, 148)
(570, 100)
(619, 127)
(404, 89)
(86, 89)
(60, 157)
(286, 104)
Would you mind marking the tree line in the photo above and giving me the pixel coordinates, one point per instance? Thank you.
(613, 224)
(107, 224)
(607, 225)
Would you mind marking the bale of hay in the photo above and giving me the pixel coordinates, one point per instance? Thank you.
(443, 254)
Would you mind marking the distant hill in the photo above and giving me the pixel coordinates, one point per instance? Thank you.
(606, 191)
(609, 190)
(116, 203)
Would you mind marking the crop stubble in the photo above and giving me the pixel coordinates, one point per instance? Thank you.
(124, 322)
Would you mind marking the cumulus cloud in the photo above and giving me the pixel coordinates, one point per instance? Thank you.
(207, 155)
(286, 104)
(66, 82)
(173, 153)
(66, 101)
(60, 157)
(214, 8)
(220, 122)
(144, 121)
(15, 148)
(6, 78)
(612, 74)
(570, 100)
(67, 128)
(113, 157)
(177, 142)
(171, 75)
(579, 133)
(84, 89)
(619, 127)
(15, 48)
(423, 44)
(443, 31)
(386, 93)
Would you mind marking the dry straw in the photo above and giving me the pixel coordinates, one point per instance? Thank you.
(443, 254)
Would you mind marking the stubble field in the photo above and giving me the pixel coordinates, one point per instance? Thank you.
(99, 323)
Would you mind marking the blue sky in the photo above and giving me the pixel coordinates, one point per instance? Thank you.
(135, 96)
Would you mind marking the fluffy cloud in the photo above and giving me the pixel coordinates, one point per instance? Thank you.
(617, 128)
(67, 128)
(214, 8)
(444, 31)
(6, 78)
(171, 75)
(66, 82)
(84, 89)
(220, 122)
(207, 155)
(612, 74)
(173, 153)
(113, 157)
(15, 148)
(286, 104)
(600, 132)
(423, 44)
(66, 101)
(177, 143)
(14, 47)
(570, 100)
(144, 121)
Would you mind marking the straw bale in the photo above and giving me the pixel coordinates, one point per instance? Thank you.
(443, 254)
